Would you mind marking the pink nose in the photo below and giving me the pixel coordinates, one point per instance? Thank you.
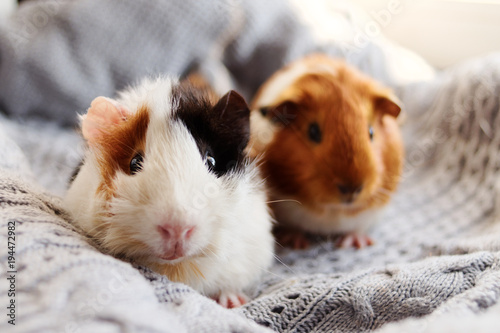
(174, 240)
(175, 232)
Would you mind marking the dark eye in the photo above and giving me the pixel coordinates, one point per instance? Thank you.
(370, 132)
(314, 132)
(210, 161)
(136, 164)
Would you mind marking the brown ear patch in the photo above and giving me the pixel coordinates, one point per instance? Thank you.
(387, 105)
(284, 113)
(118, 145)
(299, 97)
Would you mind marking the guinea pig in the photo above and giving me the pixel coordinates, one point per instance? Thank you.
(331, 149)
(166, 183)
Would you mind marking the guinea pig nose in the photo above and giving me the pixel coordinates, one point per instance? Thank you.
(168, 231)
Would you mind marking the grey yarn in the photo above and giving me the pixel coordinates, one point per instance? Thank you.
(434, 266)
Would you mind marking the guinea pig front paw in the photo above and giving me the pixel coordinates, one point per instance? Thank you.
(289, 237)
(354, 239)
(229, 300)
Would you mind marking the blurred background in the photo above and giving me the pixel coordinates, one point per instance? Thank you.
(6, 7)
(444, 32)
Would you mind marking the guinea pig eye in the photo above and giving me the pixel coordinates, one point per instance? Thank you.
(370, 132)
(314, 132)
(136, 164)
(210, 161)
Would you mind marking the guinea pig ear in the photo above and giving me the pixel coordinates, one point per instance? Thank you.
(102, 114)
(388, 104)
(234, 115)
(283, 113)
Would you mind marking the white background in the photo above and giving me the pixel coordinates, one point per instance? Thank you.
(444, 32)
(6, 7)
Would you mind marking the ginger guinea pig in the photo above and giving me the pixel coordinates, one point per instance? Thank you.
(166, 183)
(331, 149)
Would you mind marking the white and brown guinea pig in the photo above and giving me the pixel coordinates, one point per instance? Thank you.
(331, 149)
(166, 182)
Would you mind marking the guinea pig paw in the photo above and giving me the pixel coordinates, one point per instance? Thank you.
(295, 239)
(231, 300)
(353, 239)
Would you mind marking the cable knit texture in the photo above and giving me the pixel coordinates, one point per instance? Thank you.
(435, 263)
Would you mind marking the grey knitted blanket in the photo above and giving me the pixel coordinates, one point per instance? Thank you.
(434, 266)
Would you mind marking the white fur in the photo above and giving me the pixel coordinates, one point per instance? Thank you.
(232, 243)
(332, 221)
(280, 82)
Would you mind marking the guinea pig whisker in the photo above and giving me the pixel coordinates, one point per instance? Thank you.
(380, 197)
(213, 253)
(383, 191)
(259, 160)
(284, 200)
(103, 224)
(207, 255)
(283, 264)
(279, 261)
(272, 273)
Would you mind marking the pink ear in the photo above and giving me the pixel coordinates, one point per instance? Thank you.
(103, 113)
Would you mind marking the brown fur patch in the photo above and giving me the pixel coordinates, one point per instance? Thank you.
(180, 272)
(118, 145)
(344, 103)
(198, 81)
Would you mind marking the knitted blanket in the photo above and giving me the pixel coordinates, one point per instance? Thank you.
(434, 266)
